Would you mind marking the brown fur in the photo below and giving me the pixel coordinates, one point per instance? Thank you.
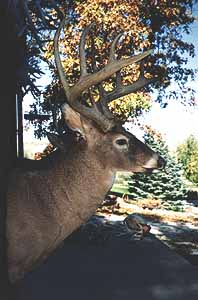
(48, 202)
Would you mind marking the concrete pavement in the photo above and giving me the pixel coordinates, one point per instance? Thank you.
(114, 270)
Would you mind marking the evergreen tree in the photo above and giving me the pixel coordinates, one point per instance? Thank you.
(165, 184)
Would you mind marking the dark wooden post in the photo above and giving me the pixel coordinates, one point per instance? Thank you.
(8, 63)
(20, 147)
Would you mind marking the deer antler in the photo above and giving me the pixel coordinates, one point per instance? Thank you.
(102, 117)
(123, 90)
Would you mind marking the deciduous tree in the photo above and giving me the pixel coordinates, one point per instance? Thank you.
(159, 25)
(187, 154)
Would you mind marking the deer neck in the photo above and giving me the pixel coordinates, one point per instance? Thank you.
(83, 181)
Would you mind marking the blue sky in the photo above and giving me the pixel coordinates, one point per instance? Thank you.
(176, 122)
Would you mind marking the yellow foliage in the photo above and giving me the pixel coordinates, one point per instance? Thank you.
(131, 105)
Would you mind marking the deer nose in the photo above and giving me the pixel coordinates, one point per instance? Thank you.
(161, 163)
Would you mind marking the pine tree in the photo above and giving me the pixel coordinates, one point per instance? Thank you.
(165, 184)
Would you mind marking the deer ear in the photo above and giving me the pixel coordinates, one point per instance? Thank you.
(77, 123)
(55, 140)
(72, 119)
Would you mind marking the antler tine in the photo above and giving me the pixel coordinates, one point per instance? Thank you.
(118, 75)
(118, 79)
(99, 105)
(83, 64)
(113, 46)
(103, 106)
(75, 91)
(142, 68)
(103, 118)
(58, 60)
(122, 90)
(106, 72)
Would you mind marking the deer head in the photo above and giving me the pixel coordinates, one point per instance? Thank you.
(116, 147)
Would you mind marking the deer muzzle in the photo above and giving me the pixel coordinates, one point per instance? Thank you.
(155, 162)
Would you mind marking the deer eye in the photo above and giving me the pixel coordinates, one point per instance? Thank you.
(121, 142)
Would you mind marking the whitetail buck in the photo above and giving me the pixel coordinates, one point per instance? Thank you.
(46, 204)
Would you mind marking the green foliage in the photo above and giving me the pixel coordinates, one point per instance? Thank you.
(121, 183)
(187, 154)
(176, 205)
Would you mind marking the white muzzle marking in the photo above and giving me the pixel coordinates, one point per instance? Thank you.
(152, 162)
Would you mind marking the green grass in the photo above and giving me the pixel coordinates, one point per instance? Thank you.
(121, 186)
